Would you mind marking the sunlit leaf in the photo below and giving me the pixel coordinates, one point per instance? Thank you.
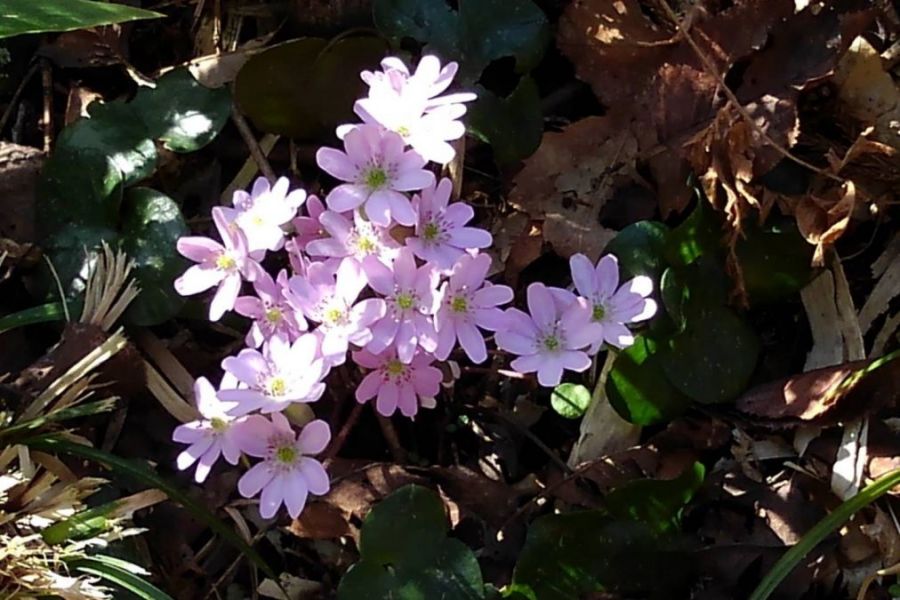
(570, 400)
(35, 16)
(640, 250)
(121, 573)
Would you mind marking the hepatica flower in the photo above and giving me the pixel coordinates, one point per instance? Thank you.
(441, 234)
(410, 296)
(211, 436)
(279, 375)
(357, 238)
(467, 303)
(270, 311)
(549, 340)
(330, 300)
(398, 385)
(612, 306)
(377, 170)
(262, 213)
(307, 227)
(220, 264)
(288, 473)
(411, 105)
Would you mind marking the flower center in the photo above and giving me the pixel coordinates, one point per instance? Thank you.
(403, 131)
(431, 232)
(286, 455)
(551, 342)
(599, 312)
(459, 304)
(218, 424)
(376, 178)
(395, 368)
(257, 220)
(273, 315)
(225, 262)
(405, 301)
(366, 244)
(277, 386)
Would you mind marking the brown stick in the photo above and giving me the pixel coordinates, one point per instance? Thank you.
(18, 94)
(341, 438)
(244, 129)
(392, 439)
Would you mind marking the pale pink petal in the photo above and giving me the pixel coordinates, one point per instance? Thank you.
(469, 238)
(198, 249)
(188, 433)
(368, 387)
(388, 397)
(337, 164)
(582, 274)
(314, 437)
(550, 371)
(193, 452)
(255, 479)
(206, 462)
(378, 207)
(198, 278)
(225, 296)
(606, 276)
(346, 197)
(252, 434)
(472, 342)
(527, 364)
(541, 305)
(458, 214)
(575, 361)
(271, 498)
(493, 295)
(295, 493)
(315, 476)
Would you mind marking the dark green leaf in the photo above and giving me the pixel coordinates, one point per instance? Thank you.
(141, 473)
(640, 248)
(405, 554)
(115, 130)
(658, 503)
(36, 16)
(69, 250)
(152, 225)
(775, 261)
(638, 389)
(481, 32)
(30, 316)
(305, 88)
(570, 400)
(712, 360)
(182, 113)
(121, 573)
(699, 235)
(513, 125)
(81, 525)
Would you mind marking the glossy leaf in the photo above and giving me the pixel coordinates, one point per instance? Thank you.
(120, 573)
(775, 261)
(700, 234)
(43, 313)
(513, 126)
(181, 113)
(406, 555)
(116, 130)
(37, 16)
(658, 503)
(70, 252)
(638, 389)
(640, 249)
(570, 400)
(151, 226)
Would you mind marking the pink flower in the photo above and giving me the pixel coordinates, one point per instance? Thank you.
(270, 311)
(357, 239)
(441, 235)
(262, 213)
(406, 386)
(279, 375)
(330, 300)
(307, 228)
(222, 265)
(411, 106)
(210, 437)
(378, 171)
(467, 303)
(611, 308)
(549, 340)
(287, 474)
(411, 301)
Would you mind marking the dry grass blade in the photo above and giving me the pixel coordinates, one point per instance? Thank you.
(109, 291)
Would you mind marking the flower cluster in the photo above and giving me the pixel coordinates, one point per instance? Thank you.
(393, 303)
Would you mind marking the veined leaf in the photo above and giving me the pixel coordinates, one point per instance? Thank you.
(121, 573)
(37, 16)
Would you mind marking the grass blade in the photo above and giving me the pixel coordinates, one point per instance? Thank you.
(121, 573)
(140, 472)
(30, 316)
(821, 530)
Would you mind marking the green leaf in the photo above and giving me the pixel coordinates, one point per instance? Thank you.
(658, 503)
(141, 473)
(640, 249)
(121, 573)
(481, 32)
(711, 361)
(116, 130)
(406, 555)
(570, 400)
(70, 249)
(699, 235)
(638, 389)
(513, 126)
(182, 113)
(37, 16)
(302, 88)
(821, 530)
(775, 261)
(151, 226)
(44, 313)
(81, 525)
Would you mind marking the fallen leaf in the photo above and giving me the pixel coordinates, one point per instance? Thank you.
(822, 220)
(19, 170)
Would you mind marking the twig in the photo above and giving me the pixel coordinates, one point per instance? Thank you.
(244, 129)
(341, 438)
(47, 86)
(18, 94)
(712, 70)
(390, 436)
